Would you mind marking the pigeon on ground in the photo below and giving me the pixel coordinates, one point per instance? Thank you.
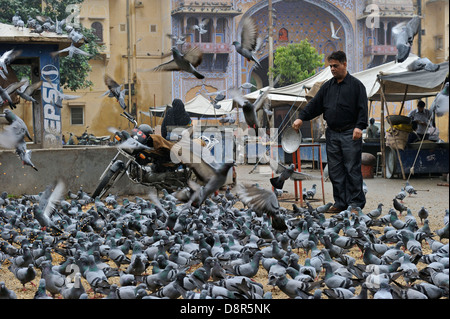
(440, 102)
(73, 290)
(187, 62)
(292, 287)
(41, 292)
(410, 189)
(262, 201)
(6, 293)
(54, 281)
(24, 274)
(310, 193)
(423, 214)
(399, 206)
(404, 33)
(401, 195)
(249, 43)
(116, 91)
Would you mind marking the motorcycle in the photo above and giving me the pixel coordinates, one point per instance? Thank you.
(137, 165)
(90, 139)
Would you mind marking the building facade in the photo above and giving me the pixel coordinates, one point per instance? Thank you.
(134, 38)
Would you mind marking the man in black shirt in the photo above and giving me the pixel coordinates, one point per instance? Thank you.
(343, 102)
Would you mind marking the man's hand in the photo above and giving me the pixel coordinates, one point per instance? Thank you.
(297, 124)
(357, 133)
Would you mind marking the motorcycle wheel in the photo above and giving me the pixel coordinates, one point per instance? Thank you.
(106, 183)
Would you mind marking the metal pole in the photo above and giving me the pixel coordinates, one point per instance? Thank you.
(270, 43)
(129, 55)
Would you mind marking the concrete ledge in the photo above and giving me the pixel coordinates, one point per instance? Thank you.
(77, 167)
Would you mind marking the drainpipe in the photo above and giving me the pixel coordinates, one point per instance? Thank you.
(419, 38)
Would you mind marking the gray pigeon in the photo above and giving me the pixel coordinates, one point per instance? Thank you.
(5, 93)
(290, 286)
(404, 34)
(183, 62)
(6, 59)
(423, 214)
(262, 201)
(249, 269)
(26, 90)
(73, 290)
(423, 64)
(25, 154)
(249, 43)
(41, 292)
(72, 49)
(440, 102)
(250, 109)
(399, 206)
(286, 172)
(47, 203)
(24, 274)
(54, 281)
(6, 293)
(116, 91)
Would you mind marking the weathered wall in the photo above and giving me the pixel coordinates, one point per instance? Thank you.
(77, 167)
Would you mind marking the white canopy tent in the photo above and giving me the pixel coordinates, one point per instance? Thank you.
(200, 106)
(290, 93)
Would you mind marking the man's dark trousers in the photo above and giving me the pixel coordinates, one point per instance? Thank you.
(344, 168)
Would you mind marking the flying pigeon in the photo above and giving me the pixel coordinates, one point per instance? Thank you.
(5, 94)
(404, 33)
(187, 62)
(249, 43)
(115, 90)
(440, 102)
(6, 59)
(262, 201)
(26, 90)
(286, 172)
(25, 155)
(201, 26)
(334, 32)
(72, 49)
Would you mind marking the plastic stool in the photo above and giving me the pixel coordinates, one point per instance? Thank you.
(378, 162)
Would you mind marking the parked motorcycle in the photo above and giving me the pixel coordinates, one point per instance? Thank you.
(139, 166)
(90, 139)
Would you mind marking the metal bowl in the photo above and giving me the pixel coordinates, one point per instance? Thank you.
(398, 119)
(291, 140)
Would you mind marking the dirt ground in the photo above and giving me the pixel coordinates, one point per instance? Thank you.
(432, 193)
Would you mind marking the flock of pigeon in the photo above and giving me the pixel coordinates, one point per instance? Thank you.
(160, 247)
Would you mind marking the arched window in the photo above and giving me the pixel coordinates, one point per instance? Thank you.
(381, 35)
(221, 30)
(98, 31)
(207, 37)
